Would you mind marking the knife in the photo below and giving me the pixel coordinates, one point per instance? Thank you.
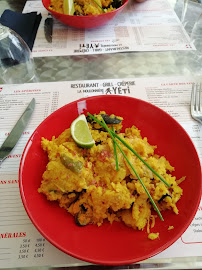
(48, 28)
(16, 132)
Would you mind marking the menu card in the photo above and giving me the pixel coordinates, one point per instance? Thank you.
(149, 26)
(20, 243)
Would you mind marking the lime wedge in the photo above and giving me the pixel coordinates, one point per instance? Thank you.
(81, 132)
(68, 7)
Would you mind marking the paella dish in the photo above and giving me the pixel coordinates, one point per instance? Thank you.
(106, 182)
(85, 7)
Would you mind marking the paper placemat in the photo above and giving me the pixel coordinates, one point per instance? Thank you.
(149, 26)
(20, 243)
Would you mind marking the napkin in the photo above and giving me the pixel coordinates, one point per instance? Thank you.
(24, 24)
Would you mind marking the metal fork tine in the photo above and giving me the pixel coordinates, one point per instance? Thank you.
(199, 102)
(193, 98)
(197, 98)
(196, 103)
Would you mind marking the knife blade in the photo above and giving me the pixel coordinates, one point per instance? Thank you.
(17, 131)
(48, 28)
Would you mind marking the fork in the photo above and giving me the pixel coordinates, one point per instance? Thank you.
(196, 104)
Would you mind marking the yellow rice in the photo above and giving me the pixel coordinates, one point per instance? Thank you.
(98, 191)
(84, 7)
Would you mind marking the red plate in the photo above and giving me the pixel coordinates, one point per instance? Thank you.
(112, 244)
(89, 21)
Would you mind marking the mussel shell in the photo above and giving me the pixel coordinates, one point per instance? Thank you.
(116, 3)
(163, 197)
(108, 120)
(82, 218)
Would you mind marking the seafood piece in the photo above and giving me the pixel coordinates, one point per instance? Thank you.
(69, 163)
(84, 216)
(117, 3)
(110, 120)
